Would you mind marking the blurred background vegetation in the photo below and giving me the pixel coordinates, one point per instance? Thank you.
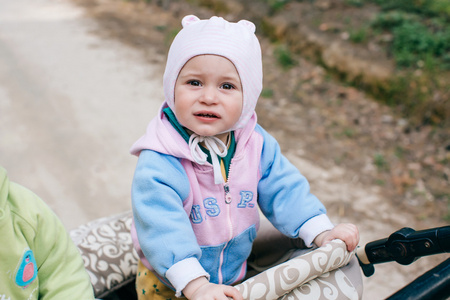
(420, 45)
(396, 52)
(415, 34)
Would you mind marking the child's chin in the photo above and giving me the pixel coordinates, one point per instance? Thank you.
(207, 132)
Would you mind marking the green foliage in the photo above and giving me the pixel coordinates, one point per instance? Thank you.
(447, 215)
(431, 8)
(357, 3)
(416, 39)
(276, 5)
(218, 7)
(359, 35)
(380, 182)
(161, 28)
(349, 132)
(170, 35)
(442, 7)
(392, 19)
(380, 162)
(267, 93)
(284, 57)
(400, 152)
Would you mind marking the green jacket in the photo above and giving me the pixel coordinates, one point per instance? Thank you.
(38, 260)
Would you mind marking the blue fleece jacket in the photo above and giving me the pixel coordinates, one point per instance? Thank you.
(185, 226)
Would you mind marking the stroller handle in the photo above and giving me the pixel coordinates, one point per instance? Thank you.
(404, 246)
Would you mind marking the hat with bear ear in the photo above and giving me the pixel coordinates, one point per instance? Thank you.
(235, 41)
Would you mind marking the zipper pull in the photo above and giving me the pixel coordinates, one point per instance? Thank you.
(227, 193)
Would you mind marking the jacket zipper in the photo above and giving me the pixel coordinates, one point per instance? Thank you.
(228, 199)
(226, 187)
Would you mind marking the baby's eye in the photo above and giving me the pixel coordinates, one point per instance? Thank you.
(194, 82)
(227, 86)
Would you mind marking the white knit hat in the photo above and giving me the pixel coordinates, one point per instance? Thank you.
(235, 41)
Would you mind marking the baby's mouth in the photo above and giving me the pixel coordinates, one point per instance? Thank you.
(205, 115)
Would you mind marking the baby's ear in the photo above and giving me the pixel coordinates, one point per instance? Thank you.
(188, 20)
(248, 24)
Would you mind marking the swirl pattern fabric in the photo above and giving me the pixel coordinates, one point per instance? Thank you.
(111, 262)
(108, 253)
(314, 275)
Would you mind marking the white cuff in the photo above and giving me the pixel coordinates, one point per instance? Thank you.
(313, 227)
(183, 272)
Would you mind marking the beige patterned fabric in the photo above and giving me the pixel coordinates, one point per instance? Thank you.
(111, 261)
(108, 253)
(314, 275)
(331, 285)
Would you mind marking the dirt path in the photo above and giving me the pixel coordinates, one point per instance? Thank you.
(321, 125)
(65, 128)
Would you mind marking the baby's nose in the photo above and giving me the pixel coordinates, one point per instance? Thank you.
(209, 95)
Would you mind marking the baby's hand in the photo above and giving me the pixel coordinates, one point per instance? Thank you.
(202, 289)
(346, 232)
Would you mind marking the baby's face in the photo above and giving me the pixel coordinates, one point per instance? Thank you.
(208, 96)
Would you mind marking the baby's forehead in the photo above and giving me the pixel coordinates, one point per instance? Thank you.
(210, 64)
(209, 59)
